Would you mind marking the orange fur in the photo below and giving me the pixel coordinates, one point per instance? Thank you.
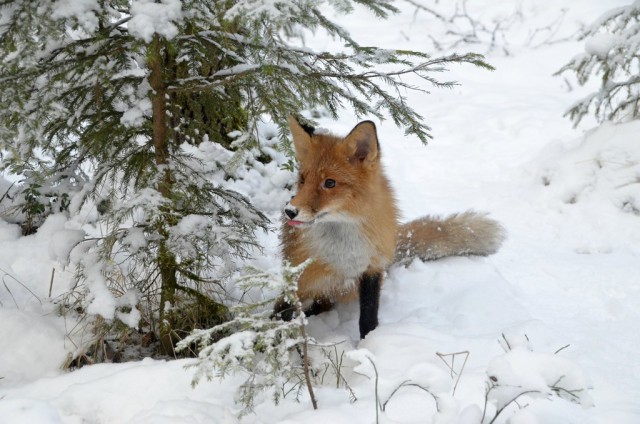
(362, 199)
(429, 238)
(350, 227)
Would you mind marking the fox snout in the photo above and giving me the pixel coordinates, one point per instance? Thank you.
(291, 211)
(301, 216)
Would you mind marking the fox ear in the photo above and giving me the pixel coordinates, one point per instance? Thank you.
(301, 137)
(362, 143)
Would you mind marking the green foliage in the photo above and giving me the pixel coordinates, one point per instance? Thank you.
(97, 107)
(34, 203)
(613, 55)
(268, 351)
(76, 95)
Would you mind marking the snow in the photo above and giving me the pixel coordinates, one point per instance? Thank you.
(84, 11)
(135, 239)
(37, 345)
(129, 300)
(103, 302)
(62, 242)
(601, 44)
(556, 305)
(135, 116)
(149, 17)
(269, 9)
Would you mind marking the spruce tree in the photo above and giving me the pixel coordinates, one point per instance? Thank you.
(612, 53)
(114, 102)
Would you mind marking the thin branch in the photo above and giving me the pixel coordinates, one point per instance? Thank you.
(408, 383)
(499, 411)
(53, 273)
(419, 6)
(561, 349)
(6, 193)
(507, 343)
(453, 356)
(305, 354)
(24, 286)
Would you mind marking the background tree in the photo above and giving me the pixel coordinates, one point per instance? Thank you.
(134, 106)
(612, 53)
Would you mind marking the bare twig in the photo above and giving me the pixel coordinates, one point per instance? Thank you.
(508, 348)
(378, 405)
(337, 363)
(6, 193)
(561, 349)
(419, 6)
(514, 399)
(305, 355)
(6, 286)
(453, 357)
(53, 273)
(408, 383)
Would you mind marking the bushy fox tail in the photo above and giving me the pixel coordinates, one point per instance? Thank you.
(429, 238)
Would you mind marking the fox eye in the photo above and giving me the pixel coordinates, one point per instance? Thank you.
(329, 183)
(301, 181)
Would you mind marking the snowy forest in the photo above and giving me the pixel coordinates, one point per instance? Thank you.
(146, 160)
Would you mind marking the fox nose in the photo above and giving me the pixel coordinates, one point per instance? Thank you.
(291, 211)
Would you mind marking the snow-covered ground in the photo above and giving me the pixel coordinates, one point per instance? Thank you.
(557, 304)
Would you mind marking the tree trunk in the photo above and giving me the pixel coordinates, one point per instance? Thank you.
(166, 260)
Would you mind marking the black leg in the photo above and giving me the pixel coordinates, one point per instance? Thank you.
(319, 306)
(369, 302)
(283, 310)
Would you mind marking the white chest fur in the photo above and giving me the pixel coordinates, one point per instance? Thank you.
(341, 245)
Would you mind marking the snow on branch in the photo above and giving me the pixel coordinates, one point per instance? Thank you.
(612, 53)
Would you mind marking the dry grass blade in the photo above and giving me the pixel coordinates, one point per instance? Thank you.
(451, 366)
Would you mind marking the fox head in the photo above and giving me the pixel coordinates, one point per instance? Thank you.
(335, 174)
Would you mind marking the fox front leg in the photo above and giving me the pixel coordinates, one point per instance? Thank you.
(284, 310)
(369, 301)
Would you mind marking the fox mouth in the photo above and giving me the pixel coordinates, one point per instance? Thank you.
(298, 223)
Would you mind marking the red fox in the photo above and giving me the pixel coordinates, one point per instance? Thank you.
(344, 217)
